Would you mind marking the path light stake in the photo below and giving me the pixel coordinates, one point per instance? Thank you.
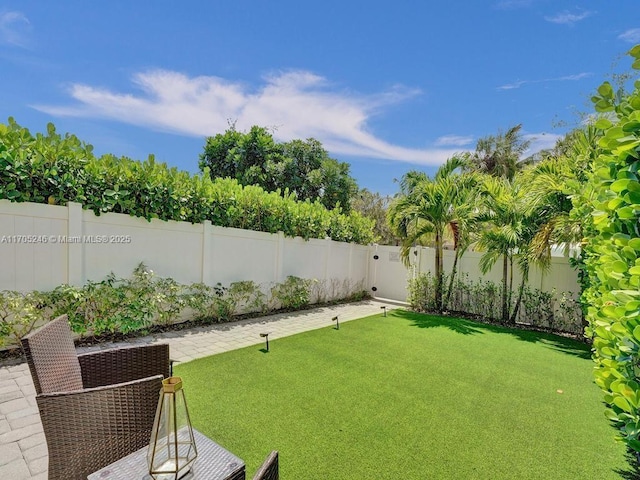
(385, 310)
(335, 319)
(171, 362)
(172, 448)
(266, 337)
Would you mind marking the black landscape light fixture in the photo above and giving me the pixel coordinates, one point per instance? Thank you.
(335, 319)
(384, 308)
(266, 337)
(171, 362)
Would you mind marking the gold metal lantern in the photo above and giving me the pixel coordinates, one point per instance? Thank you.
(172, 448)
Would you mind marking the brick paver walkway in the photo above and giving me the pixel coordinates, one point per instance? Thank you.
(23, 450)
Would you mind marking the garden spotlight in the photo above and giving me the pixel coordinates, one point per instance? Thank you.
(335, 319)
(266, 337)
(171, 362)
(385, 310)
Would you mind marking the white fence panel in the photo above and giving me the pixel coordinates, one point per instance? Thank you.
(237, 255)
(80, 246)
(171, 249)
(29, 252)
(304, 259)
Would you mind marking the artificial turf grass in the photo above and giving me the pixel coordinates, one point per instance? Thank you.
(409, 396)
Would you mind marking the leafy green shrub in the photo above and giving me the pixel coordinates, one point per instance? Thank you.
(568, 311)
(19, 314)
(422, 293)
(322, 291)
(220, 303)
(125, 305)
(294, 293)
(247, 297)
(169, 300)
(482, 298)
(536, 307)
(54, 169)
(613, 262)
(119, 304)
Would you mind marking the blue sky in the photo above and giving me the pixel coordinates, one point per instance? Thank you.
(386, 86)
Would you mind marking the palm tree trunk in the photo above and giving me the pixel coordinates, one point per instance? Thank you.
(439, 268)
(510, 291)
(454, 270)
(516, 308)
(505, 270)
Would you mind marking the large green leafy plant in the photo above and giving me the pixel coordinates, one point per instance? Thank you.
(614, 257)
(55, 169)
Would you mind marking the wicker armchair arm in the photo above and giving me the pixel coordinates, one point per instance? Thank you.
(119, 365)
(270, 469)
(89, 429)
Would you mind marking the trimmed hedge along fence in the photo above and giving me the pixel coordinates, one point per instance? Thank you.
(56, 170)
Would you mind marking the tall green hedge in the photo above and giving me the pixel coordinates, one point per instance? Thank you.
(55, 169)
(613, 259)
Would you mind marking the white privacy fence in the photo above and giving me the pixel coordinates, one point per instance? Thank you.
(390, 275)
(43, 246)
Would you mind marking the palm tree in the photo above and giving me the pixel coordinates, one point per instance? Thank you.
(561, 182)
(511, 226)
(427, 208)
(541, 206)
(499, 155)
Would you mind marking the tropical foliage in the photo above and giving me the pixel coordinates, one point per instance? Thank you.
(374, 206)
(432, 208)
(478, 298)
(299, 167)
(614, 260)
(55, 169)
(500, 155)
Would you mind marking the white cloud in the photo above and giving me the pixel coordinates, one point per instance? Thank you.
(514, 85)
(14, 28)
(632, 35)
(577, 76)
(566, 78)
(568, 18)
(453, 141)
(297, 104)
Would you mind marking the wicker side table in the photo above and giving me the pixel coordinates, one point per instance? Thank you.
(213, 463)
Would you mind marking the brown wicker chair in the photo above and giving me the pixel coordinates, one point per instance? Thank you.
(269, 469)
(97, 407)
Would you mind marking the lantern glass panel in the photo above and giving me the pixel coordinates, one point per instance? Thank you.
(172, 449)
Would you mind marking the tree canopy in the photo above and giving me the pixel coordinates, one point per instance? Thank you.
(301, 167)
(374, 206)
(499, 155)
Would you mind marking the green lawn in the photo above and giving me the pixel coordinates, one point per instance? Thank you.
(409, 396)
